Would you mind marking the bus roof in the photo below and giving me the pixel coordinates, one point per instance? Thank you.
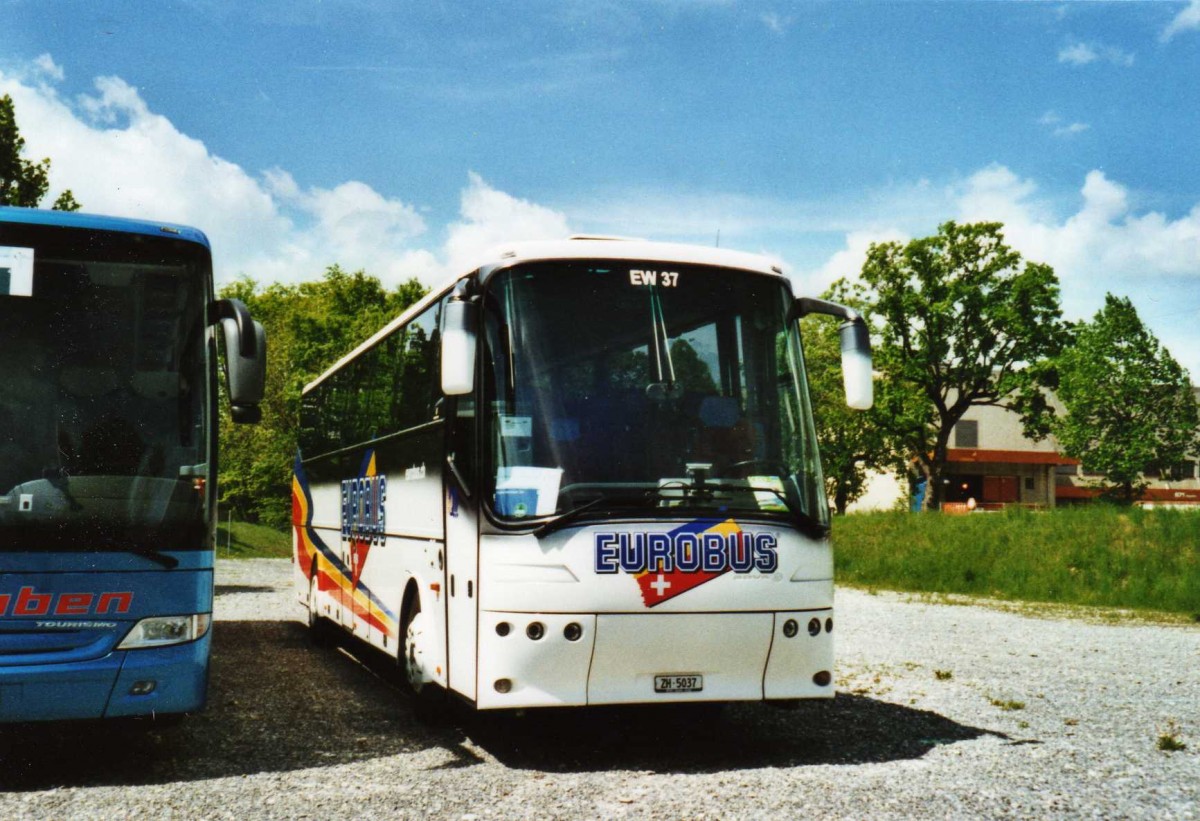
(97, 222)
(598, 247)
(575, 247)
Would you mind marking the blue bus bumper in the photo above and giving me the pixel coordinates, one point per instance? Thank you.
(101, 688)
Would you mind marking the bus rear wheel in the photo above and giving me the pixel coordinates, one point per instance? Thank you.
(318, 626)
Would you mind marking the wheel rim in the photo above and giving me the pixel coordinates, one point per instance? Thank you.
(414, 657)
(312, 601)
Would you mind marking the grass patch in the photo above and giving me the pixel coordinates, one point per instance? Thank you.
(252, 542)
(943, 675)
(1007, 704)
(1169, 740)
(1097, 556)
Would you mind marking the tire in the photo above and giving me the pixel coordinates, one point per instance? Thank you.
(427, 697)
(416, 679)
(318, 626)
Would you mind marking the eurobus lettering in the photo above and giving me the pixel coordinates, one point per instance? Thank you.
(605, 485)
(364, 512)
(686, 552)
(108, 347)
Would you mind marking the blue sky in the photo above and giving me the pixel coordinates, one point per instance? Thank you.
(404, 137)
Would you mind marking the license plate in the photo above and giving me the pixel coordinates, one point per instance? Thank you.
(686, 683)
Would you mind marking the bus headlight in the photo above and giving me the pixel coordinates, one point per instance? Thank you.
(159, 631)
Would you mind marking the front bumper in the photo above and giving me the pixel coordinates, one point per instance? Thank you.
(100, 688)
(614, 660)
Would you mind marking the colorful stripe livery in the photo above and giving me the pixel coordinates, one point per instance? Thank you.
(333, 576)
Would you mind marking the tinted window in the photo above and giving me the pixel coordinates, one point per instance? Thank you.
(966, 434)
(388, 388)
(103, 418)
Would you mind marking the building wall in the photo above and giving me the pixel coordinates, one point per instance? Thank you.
(1000, 429)
(885, 491)
(1000, 448)
(999, 432)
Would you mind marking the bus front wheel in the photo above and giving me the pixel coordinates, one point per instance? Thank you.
(416, 672)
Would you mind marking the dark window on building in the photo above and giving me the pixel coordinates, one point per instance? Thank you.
(966, 434)
(1029, 483)
(1182, 471)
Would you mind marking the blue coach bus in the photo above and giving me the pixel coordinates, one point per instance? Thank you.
(108, 414)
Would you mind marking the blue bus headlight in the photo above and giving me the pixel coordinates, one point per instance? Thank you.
(159, 631)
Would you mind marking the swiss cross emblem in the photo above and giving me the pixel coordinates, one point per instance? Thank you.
(666, 565)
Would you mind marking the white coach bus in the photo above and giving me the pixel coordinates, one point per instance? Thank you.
(585, 473)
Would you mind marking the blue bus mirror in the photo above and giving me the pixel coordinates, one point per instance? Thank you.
(245, 359)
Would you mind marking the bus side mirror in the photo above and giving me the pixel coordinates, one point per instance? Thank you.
(856, 348)
(458, 347)
(245, 359)
(856, 364)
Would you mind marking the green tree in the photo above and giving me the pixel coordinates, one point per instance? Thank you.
(23, 182)
(691, 371)
(853, 443)
(1129, 405)
(963, 320)
(309, 327)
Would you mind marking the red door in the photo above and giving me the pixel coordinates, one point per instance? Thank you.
(1003, 489)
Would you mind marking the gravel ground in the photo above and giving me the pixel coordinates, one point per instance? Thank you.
(944, 711)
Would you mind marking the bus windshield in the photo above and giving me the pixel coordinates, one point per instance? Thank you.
(644, 389)
(103, 414)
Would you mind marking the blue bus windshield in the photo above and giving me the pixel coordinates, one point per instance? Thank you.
(104, 412)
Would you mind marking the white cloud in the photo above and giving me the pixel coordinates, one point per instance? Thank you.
(1102, 243)
(119, 157)
(776, 23)
(46, 66)
(1070, 129)
(122, 158)
(1059, 127)
(353, 225)
(1080, 53)
(1187, 20)
(994, 194)
(1105, 239)
(490, 217)
(847, 262)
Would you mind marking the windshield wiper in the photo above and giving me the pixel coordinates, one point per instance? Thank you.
(165, 559)
(564, 519)
(157, 556)
(664, 367)
(807, 523)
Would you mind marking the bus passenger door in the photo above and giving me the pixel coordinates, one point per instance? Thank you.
(462, 550)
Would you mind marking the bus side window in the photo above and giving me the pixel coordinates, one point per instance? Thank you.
(420, 385)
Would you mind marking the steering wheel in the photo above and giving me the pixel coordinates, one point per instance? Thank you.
(773, 468)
